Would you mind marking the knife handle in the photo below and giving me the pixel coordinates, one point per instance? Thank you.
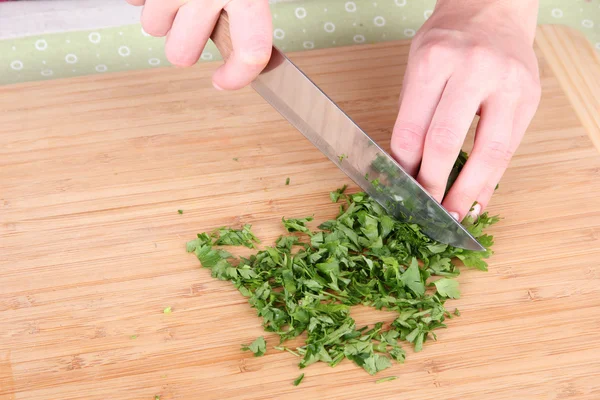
(221, 37)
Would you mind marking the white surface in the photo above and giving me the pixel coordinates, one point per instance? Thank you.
(28, 18)
(25, 18)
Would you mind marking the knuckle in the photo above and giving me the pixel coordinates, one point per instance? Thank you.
(442, 138)
(482, 56)
(408, 138)
(434, 38)
(433, 51)
(515, 75)
(464, 197)
(519, 79)
(514, 69)
(433, 48)
(534, 94)
(496, 153)
(258, 53)
(487, 193)
(427, 59)
(433, 188)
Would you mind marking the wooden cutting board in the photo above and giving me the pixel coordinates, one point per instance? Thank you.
(92, 248)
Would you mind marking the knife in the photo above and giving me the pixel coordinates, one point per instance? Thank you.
(321, 121)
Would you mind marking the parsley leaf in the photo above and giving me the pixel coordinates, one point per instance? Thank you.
(447, 288)
(297, 224)
(335, 196)
(235, 237)
(389, 378)
(298, 380)
(258, 346)
(412, 278)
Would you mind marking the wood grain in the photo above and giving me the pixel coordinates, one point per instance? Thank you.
(574, 63)
(93, 171)
(221, 35)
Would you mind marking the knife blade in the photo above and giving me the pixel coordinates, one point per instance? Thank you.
(283, 85)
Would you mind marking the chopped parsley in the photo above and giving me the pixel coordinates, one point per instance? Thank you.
(342, 157)
(298, 380)
(235, 237)
(287, 182)
(335, 196)
(167, 310)
(258, 347)
(307, 282)
(180, 211)
(389, 378)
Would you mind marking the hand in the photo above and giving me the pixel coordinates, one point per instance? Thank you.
(188, 25)
(470, 57)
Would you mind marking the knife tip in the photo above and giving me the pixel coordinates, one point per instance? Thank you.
(473, 245)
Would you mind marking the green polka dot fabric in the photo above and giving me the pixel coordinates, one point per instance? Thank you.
(299, 25)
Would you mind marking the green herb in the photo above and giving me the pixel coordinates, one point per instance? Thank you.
(341, 157)
(389, 378)
(157, 397)
(377, 185)
(458, 166)
(298, 380)
(335, 196)
(180, 211)
(283, 348)
(447, 287)
(235, 159)
(287, 182)
(457, 312)
(309, 280)
(258, 347)
(167, 310)
(297, 224)
(235, 237)
(133, 337)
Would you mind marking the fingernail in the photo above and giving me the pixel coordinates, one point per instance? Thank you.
(475, 211)
(217, 87)
(455, 215)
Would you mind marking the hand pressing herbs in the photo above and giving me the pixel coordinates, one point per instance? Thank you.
(308, 281)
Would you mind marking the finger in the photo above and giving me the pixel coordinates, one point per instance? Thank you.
(525, 111)
(491, 154)
(251, 37)
(446, 134)
(417, 107)
(136, 2)
(191, 29)
(158, 16)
